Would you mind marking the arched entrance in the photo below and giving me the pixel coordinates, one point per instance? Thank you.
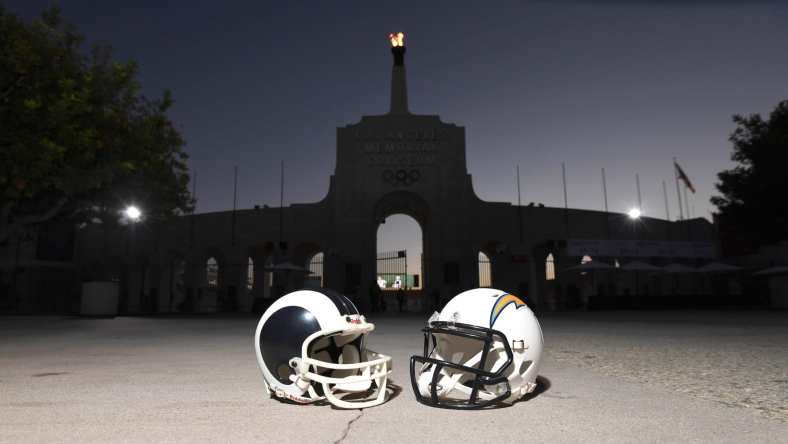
(485, 270)
(399, 252)
(315, 267)
(401, 248)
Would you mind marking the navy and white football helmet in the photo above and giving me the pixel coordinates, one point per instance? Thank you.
(310, 347)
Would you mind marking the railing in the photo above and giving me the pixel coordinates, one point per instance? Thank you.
(391, 266)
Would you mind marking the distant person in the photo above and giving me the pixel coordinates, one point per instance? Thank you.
(435, 299)
(585, 295)
(397, 283)
(374, 297)
(381, 282)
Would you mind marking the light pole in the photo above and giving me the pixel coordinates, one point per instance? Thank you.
(132, 214)
(634, 215)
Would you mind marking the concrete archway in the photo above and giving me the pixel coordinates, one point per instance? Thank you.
(414, 206)
(403, 202)
(261, 254)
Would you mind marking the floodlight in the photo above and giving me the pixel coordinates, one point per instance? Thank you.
(133, 213)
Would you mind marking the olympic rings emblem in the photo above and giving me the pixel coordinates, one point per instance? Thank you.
(401, 177)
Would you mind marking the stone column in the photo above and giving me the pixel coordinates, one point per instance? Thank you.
(399, 88)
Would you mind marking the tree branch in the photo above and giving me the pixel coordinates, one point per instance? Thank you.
(49, 214)
(9, 228)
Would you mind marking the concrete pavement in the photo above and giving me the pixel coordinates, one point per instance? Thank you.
(196, 380)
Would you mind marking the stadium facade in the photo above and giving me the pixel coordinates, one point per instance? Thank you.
(392, 163)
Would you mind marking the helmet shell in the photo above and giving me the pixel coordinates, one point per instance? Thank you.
(508, 314)
(288, 322)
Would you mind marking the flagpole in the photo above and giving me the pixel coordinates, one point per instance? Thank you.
(194, 193)
(194, 209)
(686, 212)
(607, 214)
(667, 210)
(281, 199)
(665, 194)
(566, 200)
(235, 204)
(678, 189)
(519, 206)
(563, 176)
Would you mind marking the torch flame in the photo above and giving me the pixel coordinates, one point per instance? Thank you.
(397, 39)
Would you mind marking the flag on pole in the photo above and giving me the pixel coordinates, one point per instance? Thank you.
(683, 176)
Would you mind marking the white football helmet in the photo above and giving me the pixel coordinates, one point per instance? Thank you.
(486, 346)
(310, 346)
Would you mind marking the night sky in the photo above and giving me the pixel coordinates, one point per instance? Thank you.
(625, 85)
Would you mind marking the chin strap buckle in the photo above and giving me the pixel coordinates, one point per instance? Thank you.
(519, 345)
(527, 388)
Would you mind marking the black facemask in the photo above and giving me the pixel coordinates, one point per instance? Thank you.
(480, 376)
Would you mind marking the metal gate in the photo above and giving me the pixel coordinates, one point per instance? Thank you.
(316, 267)
(485, 270)
(392, 267)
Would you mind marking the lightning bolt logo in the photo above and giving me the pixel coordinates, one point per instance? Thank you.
(504, 301)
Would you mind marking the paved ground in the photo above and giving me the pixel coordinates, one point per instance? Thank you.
(607, 377)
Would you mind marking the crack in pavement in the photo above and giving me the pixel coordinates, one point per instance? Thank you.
(347, 427)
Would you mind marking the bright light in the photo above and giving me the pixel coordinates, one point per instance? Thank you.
(397, 39)
(133, 213)
(634, 213)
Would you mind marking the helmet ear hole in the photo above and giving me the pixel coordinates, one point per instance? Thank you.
(524, 366)
(283, 371)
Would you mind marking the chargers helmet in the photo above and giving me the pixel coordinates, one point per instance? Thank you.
(482, 349)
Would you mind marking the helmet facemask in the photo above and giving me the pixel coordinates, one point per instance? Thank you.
(342, 370)
(462, 367)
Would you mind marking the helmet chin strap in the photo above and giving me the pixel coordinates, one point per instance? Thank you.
(445, 383)
(304, 386)
(449, 386)
(301, 382)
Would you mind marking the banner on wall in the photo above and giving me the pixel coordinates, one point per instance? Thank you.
(640, 248)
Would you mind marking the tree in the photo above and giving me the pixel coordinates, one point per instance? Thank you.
(79, 141)
(753, 208)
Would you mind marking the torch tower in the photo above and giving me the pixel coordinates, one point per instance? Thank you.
(399, 88)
